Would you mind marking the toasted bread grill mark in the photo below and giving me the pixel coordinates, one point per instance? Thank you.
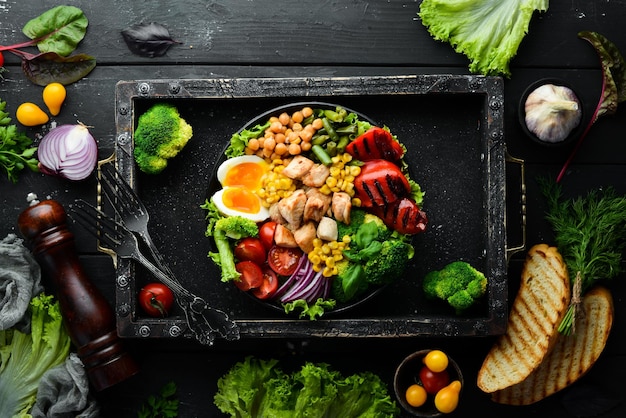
(535, 314)
(571, 357)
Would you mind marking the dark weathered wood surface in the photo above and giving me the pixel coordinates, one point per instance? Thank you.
(268, 38)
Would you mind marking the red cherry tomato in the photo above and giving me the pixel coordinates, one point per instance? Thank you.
(156, 299)
(251, 275)
(266, 234)
(250, 249)
(1, 59)
(283, 260)
(433, 381)
(269, 286)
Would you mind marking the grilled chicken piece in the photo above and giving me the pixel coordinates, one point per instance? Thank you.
(292, 208)
(275, 214)
(298, 167)
(305, 235)
(316, 206)
(284, 237)
(316, 176)
(341, 206)
(327, 229)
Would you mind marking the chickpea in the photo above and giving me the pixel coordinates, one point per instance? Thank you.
(284, 119)
(297, 117)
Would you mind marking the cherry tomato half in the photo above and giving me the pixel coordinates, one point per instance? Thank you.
(156, 299)
(283, 260)
(433, 381)
(250, 249)
(266, 234)
(269, 286)
(251, 275)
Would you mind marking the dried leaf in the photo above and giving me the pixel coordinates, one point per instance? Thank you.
(148, 39)
(50, 67)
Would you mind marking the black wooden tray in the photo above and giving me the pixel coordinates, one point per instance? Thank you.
(453, 129)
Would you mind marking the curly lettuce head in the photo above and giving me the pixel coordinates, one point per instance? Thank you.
(488, 32)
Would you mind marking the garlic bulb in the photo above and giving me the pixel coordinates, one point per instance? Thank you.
(552, 112)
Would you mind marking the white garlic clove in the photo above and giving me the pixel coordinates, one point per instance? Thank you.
(552, 112)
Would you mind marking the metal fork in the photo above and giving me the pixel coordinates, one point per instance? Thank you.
(204, 321)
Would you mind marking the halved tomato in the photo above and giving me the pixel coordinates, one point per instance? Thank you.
(283, 260)
(251, 275)
(269, 286)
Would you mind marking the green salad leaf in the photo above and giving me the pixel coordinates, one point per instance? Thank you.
(24, 358)
(259, 388)
(488, 32)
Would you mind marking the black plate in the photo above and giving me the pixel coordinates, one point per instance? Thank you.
(214, 186)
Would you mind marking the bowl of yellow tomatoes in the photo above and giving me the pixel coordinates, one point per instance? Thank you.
(428, 383)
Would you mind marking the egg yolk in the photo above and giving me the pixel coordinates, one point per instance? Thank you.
(240, 199)
(246, 175)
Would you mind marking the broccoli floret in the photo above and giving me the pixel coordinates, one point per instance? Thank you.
(390, 262)
(160, 135)
(223, 230)
(458, 283)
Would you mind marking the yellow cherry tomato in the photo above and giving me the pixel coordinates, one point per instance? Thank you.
(29, 114)
(447, 399)
(53, 96)
(416, 395)
(436, 361)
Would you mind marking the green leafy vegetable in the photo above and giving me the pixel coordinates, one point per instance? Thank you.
(613, 85)
(24, 358)
(590, 233)
(16, 150)
(259, 388)
(239, 140)
(50, 67)
(488, 32)
(313, 311)
(163, 405)
(56, 33)
(59, 29)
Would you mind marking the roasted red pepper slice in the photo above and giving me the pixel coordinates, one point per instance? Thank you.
(376, 143)
(380, 183)
(403, 215)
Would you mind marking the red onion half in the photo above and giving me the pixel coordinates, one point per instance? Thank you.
(68, 151)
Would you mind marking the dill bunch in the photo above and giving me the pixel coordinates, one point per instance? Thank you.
(590, 233)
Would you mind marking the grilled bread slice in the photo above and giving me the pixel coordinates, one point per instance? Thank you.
(571, 357)
(536, 312)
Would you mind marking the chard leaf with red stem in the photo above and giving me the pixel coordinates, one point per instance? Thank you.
(613, 85)
(59, 30)
(49, 67)
(148, 39)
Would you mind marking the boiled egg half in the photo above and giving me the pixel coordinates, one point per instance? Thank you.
(240, 178)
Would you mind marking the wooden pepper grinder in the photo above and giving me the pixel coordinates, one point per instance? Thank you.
(88, 316)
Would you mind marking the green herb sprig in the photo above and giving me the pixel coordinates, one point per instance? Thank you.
(16, 150)
(590, 233)
(163, 405)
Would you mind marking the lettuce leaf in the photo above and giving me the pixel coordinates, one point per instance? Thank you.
(24, 358)
(488, 32)
(258, 388)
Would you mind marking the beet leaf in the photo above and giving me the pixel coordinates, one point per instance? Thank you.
(613, 85)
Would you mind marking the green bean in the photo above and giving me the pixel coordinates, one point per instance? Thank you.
(319, 139)
(331, 148)
(330, 130)
(321, 154)
(342, 144)
(333, 116)
(348, 129)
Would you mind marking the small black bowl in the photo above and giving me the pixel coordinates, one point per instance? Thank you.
(575, 133)
(407, 374)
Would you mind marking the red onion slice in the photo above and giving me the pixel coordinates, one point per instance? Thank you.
(68, 151)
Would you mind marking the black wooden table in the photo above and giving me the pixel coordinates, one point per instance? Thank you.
(266, 38)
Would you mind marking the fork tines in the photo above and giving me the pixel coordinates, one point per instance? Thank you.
(118, 191)
(96, 222)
